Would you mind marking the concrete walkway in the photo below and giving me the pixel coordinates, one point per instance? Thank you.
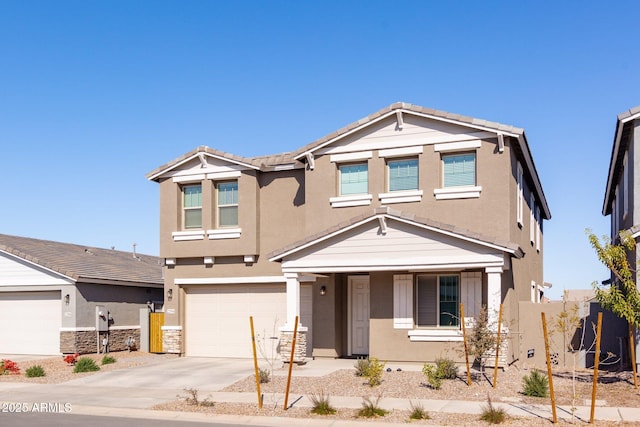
(130, 392)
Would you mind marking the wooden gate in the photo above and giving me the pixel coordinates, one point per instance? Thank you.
(156, 322)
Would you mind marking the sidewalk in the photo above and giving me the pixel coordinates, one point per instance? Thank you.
(130, 392)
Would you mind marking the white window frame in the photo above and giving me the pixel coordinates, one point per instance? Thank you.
(462, 191)
(438, 301)
(532, 218)
(190, 208)
(220, 206)
(349, 200)
(625, 184)
(520, 195)
(538, 228)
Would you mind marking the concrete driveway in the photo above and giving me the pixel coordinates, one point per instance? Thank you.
(137, 387)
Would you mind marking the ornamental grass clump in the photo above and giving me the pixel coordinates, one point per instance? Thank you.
(107, 360)
(536, 384)
(491, 414)
(85, 364)
(371, 408)
(361, 366)
(35, 371)
(418, 412)
(320, 404)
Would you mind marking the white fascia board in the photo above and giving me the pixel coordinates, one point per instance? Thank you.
(70, 280)
(405, 111)
(406, 221)
(534, 175)
(197, 156)
(458, 236)
(614, 157)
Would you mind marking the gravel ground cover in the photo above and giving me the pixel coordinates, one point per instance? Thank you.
(614, 389)
(58, 371)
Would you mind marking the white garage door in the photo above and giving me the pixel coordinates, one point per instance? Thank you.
(217, 318)
(30, 322)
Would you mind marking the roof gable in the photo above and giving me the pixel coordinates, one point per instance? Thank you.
(389, 240)
(83, 263)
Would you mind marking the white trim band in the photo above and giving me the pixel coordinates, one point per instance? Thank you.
(435, 335)
(187, 235)
(170, 328)
(400, 197)
(224, 233)
(457, 146)
(348, 157)
(463, 192)
(399, 152)
(348, 201)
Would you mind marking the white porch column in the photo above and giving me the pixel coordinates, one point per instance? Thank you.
(293, 301)
(286, 332)
(494, 293)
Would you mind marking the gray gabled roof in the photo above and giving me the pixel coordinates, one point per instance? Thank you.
(508, 247)
(85, 263)
(618, 149)
(296, 158)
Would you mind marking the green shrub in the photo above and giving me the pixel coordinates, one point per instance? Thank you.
(371, 409)
(431, 373)
(374, 372)
(85, 364)
(320, 404)
(418, 412)
(362, 366)
(35, 371)
(446, 368)
(107, 360)
(535, 384)
(265, 376)
(491, 414)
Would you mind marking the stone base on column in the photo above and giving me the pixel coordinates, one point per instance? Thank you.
(300, 351)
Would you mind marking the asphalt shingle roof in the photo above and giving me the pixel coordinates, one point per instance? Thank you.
(85, 263)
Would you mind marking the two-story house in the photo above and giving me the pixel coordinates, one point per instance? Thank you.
(373, 235)
(620, 199)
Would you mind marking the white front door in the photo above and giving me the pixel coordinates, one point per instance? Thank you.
(359, 314)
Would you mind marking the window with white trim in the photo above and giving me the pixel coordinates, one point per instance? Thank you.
(192, 206)
(438, 300)
(538, 228)
(227, 195)
(458, 170)
(532, 219)
(520, 195)
(625, 185)
(354, 179)
(402, 175)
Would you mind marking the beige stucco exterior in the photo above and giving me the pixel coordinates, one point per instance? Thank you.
(289, 224)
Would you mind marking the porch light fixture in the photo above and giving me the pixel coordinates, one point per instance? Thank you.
(66, 299)
(170, 294)
(323, 290)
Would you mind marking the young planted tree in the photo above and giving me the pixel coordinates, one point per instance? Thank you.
(622, 297)
(482, 340)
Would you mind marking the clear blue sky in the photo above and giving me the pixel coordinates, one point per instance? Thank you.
(93, 95)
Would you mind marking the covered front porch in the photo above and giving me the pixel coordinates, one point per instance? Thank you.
(390, 286)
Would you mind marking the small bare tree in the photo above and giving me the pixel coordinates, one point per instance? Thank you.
(482, 340)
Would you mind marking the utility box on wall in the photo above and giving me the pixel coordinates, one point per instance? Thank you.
(102, 319)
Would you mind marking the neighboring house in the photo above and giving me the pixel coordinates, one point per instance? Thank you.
(52, 294)
(372, 235)
(622, 194)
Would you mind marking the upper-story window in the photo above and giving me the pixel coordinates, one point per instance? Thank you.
(192, 206)
(403, 174)
(438, 299)
(354, 179)
(227, 203)
(459, 170)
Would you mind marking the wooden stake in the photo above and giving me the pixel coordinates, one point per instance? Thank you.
(549, 373)
(464, 339)
(293, 349)
(255, 363)
(495, 367)
(632, 345)
(595, 370)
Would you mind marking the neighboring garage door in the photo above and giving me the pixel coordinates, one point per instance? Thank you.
(217, 318)
(30, 322)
